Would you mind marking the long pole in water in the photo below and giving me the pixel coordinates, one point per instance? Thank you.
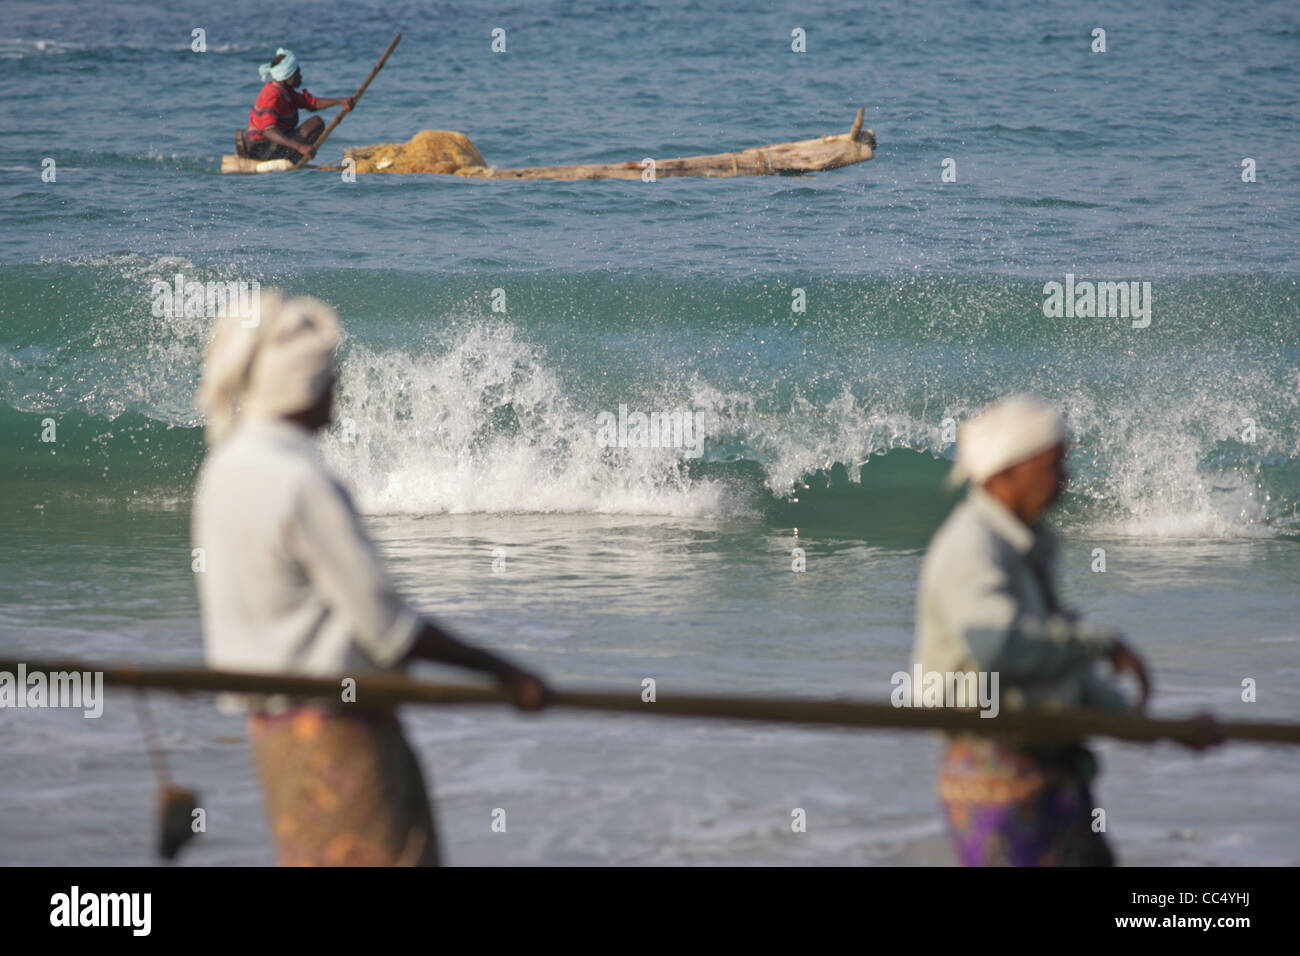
(392, 690)
(357, 96)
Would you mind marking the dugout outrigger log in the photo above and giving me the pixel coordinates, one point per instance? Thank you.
(451, 153)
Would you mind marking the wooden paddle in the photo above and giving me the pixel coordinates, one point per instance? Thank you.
(302, 160)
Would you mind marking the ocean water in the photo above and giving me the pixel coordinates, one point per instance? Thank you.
(469, 433)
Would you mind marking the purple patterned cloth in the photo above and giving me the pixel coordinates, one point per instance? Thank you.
(1010, 807)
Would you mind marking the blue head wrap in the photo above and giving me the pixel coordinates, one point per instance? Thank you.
(282, 70)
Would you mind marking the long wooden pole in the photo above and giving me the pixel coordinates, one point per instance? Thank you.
(392, 690)
(357, 96)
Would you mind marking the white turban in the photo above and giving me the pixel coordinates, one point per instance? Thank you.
(276, 362)
(282, 70)
(1004, 434)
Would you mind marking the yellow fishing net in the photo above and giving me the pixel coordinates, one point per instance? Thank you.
(428, 151)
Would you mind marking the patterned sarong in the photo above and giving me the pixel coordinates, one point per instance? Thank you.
(342, 789)
(1009, 807)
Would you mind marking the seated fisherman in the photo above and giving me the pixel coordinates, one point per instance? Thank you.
(273, 131)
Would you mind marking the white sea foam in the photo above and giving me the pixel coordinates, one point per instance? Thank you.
(487, 427)
(1173, 464)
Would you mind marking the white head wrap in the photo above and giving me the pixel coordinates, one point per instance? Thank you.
(278, 362)
(282, 70)
(1004, 434)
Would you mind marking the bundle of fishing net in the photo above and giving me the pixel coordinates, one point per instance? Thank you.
(428, 151)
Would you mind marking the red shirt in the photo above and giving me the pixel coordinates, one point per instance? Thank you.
(277, 106)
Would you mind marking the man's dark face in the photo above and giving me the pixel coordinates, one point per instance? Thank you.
(294, 81)
(1041, 479)
(321, 414)
(326, 404)
(1032, 486)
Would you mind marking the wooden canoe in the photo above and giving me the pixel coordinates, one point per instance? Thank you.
(801, 156)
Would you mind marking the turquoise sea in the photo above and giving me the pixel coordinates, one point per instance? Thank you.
(467, 432)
